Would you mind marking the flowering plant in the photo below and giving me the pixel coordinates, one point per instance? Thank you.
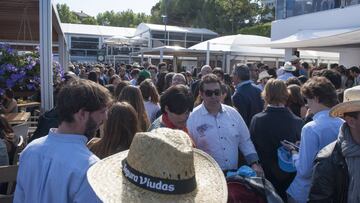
(22, 72)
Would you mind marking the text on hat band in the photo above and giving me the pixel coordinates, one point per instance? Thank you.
(158, 185)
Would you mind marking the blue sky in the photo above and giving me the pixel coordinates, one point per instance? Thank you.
(93, 7)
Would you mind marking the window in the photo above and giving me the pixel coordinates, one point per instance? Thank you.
(193, 37)
(85, 39)
(77, 52)
(84, 45)
(207, 37)
(176, 36)
(157, 35)
(176, 43)
(91, 53)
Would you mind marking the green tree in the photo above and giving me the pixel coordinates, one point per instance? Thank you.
(258, 29)
(89, 21)
(122, 19)
(66, 16)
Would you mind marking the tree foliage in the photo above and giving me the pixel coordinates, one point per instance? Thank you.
(121, 19)
(259, 29)
(66, 16)
(221, 16)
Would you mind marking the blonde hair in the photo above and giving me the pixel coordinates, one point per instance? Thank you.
(275, 92)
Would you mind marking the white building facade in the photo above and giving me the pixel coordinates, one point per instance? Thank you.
(324, 25)
(88, 42)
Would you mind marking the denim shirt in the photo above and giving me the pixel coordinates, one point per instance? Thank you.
(315, 135)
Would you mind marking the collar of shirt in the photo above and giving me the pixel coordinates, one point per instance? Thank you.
(273, 106)
(243, 83)
(73, 138)
(321, 114)
(204, 111)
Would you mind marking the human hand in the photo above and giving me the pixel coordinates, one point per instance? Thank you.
(258, 169)
(289, 146)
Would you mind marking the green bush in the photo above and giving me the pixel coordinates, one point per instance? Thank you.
(260, 29)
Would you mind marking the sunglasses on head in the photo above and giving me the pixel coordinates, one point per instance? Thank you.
(209, 93)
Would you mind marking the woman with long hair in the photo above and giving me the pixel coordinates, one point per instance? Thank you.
(296, 102)
(132, 95)
(119, 130)
(151, 98)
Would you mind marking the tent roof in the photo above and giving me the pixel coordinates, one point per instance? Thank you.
(19, 20)
(320, 38)
(176, 51)
(170, 28)
(255, 46)
(98, 30)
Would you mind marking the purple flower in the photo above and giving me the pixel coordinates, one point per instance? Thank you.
(2, 71)
(30, 86)
(33, 63)
(10, 67)
(29, 67)
(2, 91)
(10, 83)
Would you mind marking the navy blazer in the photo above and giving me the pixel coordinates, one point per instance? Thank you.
(247, 100)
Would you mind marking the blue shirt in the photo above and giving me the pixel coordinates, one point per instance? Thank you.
(315, 135)
(285, 76)
(53, 169)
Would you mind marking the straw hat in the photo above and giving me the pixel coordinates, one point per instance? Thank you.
(161, 166)
(263, 74)
(351, 102)
(289, 67)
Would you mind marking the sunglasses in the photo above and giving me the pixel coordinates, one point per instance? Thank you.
(210, 93)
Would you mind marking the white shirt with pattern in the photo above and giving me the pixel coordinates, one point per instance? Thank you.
(220, 136)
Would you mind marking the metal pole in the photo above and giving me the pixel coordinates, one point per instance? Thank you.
(208, 53)
(62, 52)
(46, 69)
(161, 55)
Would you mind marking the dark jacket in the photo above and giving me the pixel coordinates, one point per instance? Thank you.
(247, 100)
(267, 129)
(330, 179)
(46, 121)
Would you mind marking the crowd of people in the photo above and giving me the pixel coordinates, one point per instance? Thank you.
(136, 133)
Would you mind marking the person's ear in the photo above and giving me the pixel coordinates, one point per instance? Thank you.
(350, 121)
(81, 115)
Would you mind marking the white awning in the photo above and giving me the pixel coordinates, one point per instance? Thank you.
(318, 38)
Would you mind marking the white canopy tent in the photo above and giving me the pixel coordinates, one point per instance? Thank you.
(253, 45)
(318, 38)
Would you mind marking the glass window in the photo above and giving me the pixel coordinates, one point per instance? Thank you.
(207, 37)
(85, 39)
(280, 8)
(84, 45)
(176, 43)
(157, 35)
(77, 52)
(193, 37)
(190, 44)
(91, 53)
(176, 36)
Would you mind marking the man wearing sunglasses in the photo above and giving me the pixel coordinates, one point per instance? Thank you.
(219, 129)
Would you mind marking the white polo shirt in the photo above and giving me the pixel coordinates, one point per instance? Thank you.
(220, 136)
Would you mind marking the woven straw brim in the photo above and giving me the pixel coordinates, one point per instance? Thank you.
(340, 109)
(110, 185)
